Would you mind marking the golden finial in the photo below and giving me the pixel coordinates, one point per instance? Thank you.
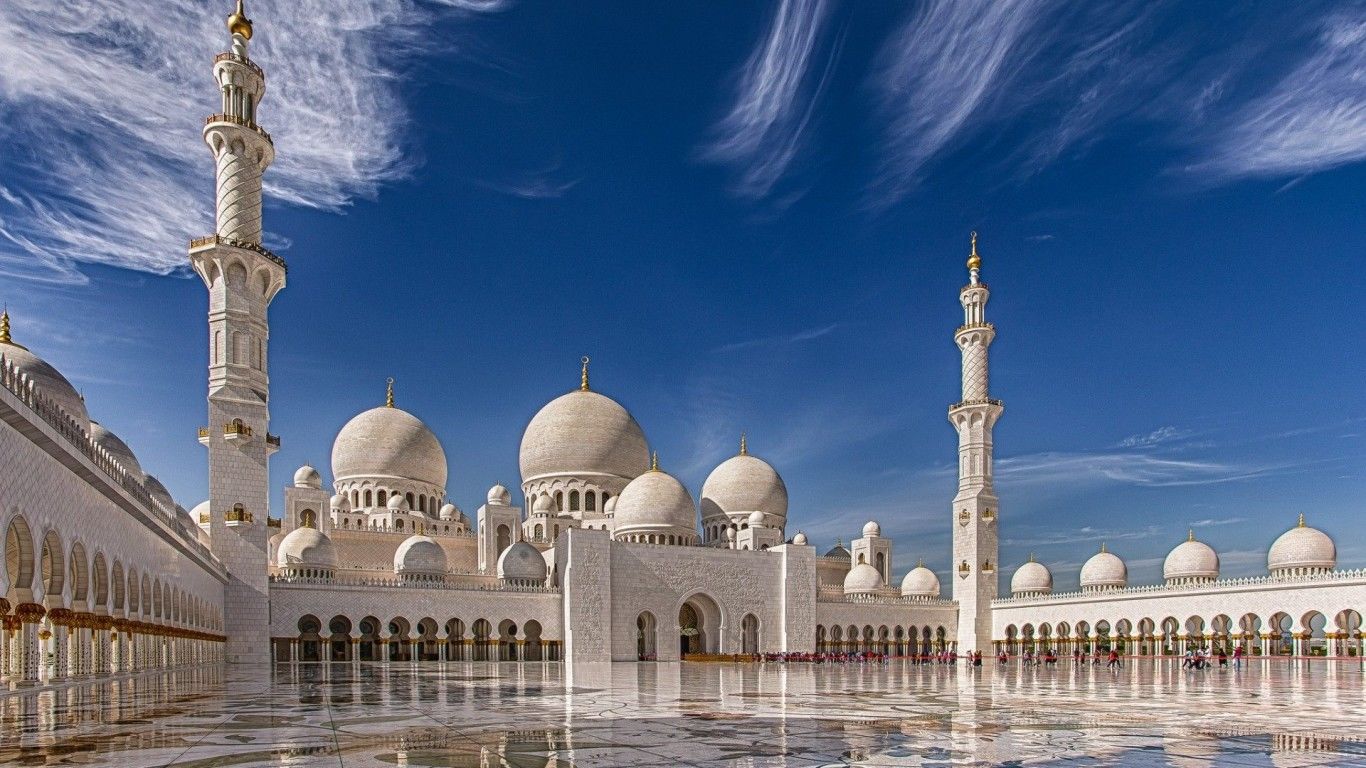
(1102, 547)
(4, 327)
(1190, 534)
(238, 23)
(920, 562)
(744, 445)
(1301, 514)
(654, 461)
(1031, 557)
(583, 377)
(389, 392)
(974, 261)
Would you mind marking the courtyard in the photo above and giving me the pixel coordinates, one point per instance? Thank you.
(1151, 713)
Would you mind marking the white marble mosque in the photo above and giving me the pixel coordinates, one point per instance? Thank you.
(598, 556)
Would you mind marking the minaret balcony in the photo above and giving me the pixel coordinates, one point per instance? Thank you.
(237, 516)
(976, 402)
(975, 327)
(203, 435)
(208, 242)
(242, 121)
(272, 443)
(236, 432)
(242, 60)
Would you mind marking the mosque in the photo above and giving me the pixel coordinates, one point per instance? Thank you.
(601, 555)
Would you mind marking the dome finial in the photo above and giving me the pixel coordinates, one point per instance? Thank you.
(1102, 546)
(654, 461)
(4, 327)
(583, 377)
(389, 392)
(238, 23)
(1190, 534)
(1301, 525)
(974, 261)
(1031, 557)
(744, 445)
(920, 562)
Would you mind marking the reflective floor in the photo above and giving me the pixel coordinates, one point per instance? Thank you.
(1150, 714)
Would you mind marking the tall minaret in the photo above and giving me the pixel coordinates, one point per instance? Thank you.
(975, 510)
(242, 278)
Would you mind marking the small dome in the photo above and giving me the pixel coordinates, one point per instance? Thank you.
(920, 582)
(744, 484)
(46, 380)
(1191, 559)
(756, 519)
(583, 432)
(397, 503)
(500, 495)
(341, 502)
(450, 512)
(545, 504)
(653, 502)
(610, 507)
(388, 443)
(862, 579)
(116, 448)
(420, 555)
(1104, 571)
(306, 548)
(521, 562)
(872, 529)
(799, 539)
(308, 477)
(1031, 579)
(159, 493)
(839, 551)
(1304, 548)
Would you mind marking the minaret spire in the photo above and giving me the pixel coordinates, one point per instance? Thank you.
(389, 392)
(744, 445)
(975, 507)
(4, 327)
(583, 376)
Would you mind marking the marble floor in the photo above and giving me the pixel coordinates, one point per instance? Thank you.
(519, 716)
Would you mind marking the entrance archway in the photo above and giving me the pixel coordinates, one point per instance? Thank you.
(646, 631)
(699, 626)
(749, 634)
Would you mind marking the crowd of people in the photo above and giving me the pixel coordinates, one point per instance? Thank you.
(1197, 658)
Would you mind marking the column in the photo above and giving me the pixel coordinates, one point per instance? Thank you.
(29, 651)
(61, 651)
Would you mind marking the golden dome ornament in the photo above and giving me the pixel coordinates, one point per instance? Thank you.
(238, 23)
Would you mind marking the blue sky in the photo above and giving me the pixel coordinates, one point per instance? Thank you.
(753, 217)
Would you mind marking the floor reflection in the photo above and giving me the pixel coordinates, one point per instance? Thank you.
(515, 715)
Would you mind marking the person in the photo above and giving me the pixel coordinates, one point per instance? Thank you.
(1238, 657)
(1223, 657)
(1114, 659)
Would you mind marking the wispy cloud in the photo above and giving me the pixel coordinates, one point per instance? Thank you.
(1313, 118)
(1157, 436)
(1127, 467)
(772, 341)
(929, 92)
(101, 100)
(774, 98)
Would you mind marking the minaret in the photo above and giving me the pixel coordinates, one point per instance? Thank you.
(975, 510)
(242, 277)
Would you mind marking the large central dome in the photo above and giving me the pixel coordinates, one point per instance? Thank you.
(583, 433)
(388, 442)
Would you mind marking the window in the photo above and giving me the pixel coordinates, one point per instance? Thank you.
(369, 499)
(383, 498)
(573, 501)
(398, 525)
(540, 531)
(559, 501)
(411, 505)
(590, 502)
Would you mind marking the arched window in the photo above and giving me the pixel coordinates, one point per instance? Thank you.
(882, 564)
(862, 559)
(410, 498)
(382, 497)
(308, 519)
(422, 502)
(590, 502)
(605, 497)
(355, 498)
(573, 501)
(540, 531)
(398, 525)
(559, 501)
